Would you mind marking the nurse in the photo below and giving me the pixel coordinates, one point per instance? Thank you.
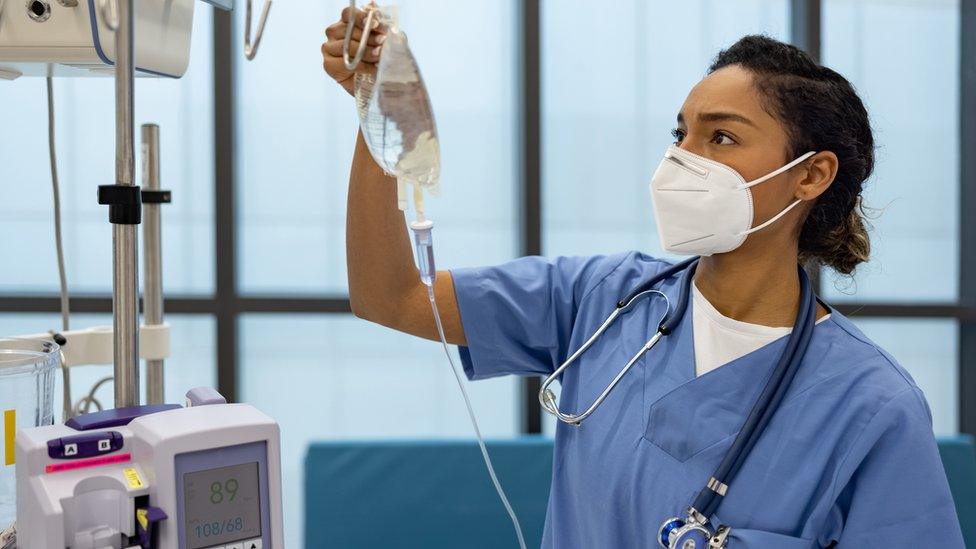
(848, 460)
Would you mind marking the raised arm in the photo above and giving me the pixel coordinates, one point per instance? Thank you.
(384, 283)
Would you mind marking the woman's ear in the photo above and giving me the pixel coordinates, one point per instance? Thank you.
(821, 169)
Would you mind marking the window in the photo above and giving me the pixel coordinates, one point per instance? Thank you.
(608, 108)
(914, 193)
(337, 377)
(910, 86)
(85, 128)
(297, 130)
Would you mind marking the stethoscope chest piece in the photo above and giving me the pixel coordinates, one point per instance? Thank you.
(678, 533)
(692, 536)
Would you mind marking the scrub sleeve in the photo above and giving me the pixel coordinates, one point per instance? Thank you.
(518, 317)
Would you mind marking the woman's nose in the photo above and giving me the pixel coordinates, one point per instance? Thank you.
(689, 146)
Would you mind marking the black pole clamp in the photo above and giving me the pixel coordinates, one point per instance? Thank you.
(156, 197)
(124, 203)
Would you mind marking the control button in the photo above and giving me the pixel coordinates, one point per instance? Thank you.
(85, 445)
(238, 545)
(256, 543)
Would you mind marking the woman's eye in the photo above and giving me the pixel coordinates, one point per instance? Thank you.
(678, 135)
(722, 139)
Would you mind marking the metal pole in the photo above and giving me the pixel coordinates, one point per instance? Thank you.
(152, 272)
(125, 256)
(967, 225)
(805, 33)
(225, 226)
(530, 29)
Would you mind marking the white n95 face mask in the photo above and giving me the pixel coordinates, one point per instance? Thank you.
(703, 207)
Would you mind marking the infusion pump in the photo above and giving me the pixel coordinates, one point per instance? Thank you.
(207, 476)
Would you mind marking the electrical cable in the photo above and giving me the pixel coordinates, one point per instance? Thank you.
(67, 410)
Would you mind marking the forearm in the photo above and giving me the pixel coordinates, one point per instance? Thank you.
(384, 283)
(378, 250)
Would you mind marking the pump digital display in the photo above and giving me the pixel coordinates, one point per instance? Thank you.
(222, 505)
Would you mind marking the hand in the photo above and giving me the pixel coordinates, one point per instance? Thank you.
(333, 62)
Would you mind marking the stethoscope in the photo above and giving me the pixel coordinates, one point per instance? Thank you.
(694, 531)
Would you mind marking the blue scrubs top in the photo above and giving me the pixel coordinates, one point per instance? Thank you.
(848, 459)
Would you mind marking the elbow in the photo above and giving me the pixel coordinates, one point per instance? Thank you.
(359, 308)
(368, 309)
(383, 305)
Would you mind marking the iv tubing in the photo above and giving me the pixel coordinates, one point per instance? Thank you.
(474, 422)
(474, 419)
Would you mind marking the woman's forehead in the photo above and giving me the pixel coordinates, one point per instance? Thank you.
(727, 90)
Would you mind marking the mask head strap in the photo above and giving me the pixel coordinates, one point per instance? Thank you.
(774, 173)
(773, 219)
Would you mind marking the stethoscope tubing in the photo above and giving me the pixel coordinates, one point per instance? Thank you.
(668, 321)
(768, 402)
(762, 410)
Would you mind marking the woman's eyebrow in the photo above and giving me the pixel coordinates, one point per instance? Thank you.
(718, 117)
(724, 117)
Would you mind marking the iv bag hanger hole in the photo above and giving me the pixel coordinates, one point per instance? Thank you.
(38, 10)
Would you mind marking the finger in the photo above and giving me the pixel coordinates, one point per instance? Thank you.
(375, 25)
(360, 19)
(337, 67)
(345, 13)
(372, 55)
(378, 26)
(334, 49)
(338, 32)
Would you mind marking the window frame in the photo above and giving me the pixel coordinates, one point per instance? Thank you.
(228, 304)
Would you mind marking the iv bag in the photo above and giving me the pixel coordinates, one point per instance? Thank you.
(396, 117)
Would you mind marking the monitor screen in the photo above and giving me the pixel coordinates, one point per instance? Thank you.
(222, 505)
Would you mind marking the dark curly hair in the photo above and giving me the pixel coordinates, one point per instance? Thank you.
(821, 112)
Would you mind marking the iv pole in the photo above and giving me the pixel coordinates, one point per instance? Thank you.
(152, 268)
(125, 212)
(125, 253)
(125, 200)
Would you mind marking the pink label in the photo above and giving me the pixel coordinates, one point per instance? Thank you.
(91, 462)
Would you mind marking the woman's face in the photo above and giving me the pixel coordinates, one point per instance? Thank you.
(723, 119)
